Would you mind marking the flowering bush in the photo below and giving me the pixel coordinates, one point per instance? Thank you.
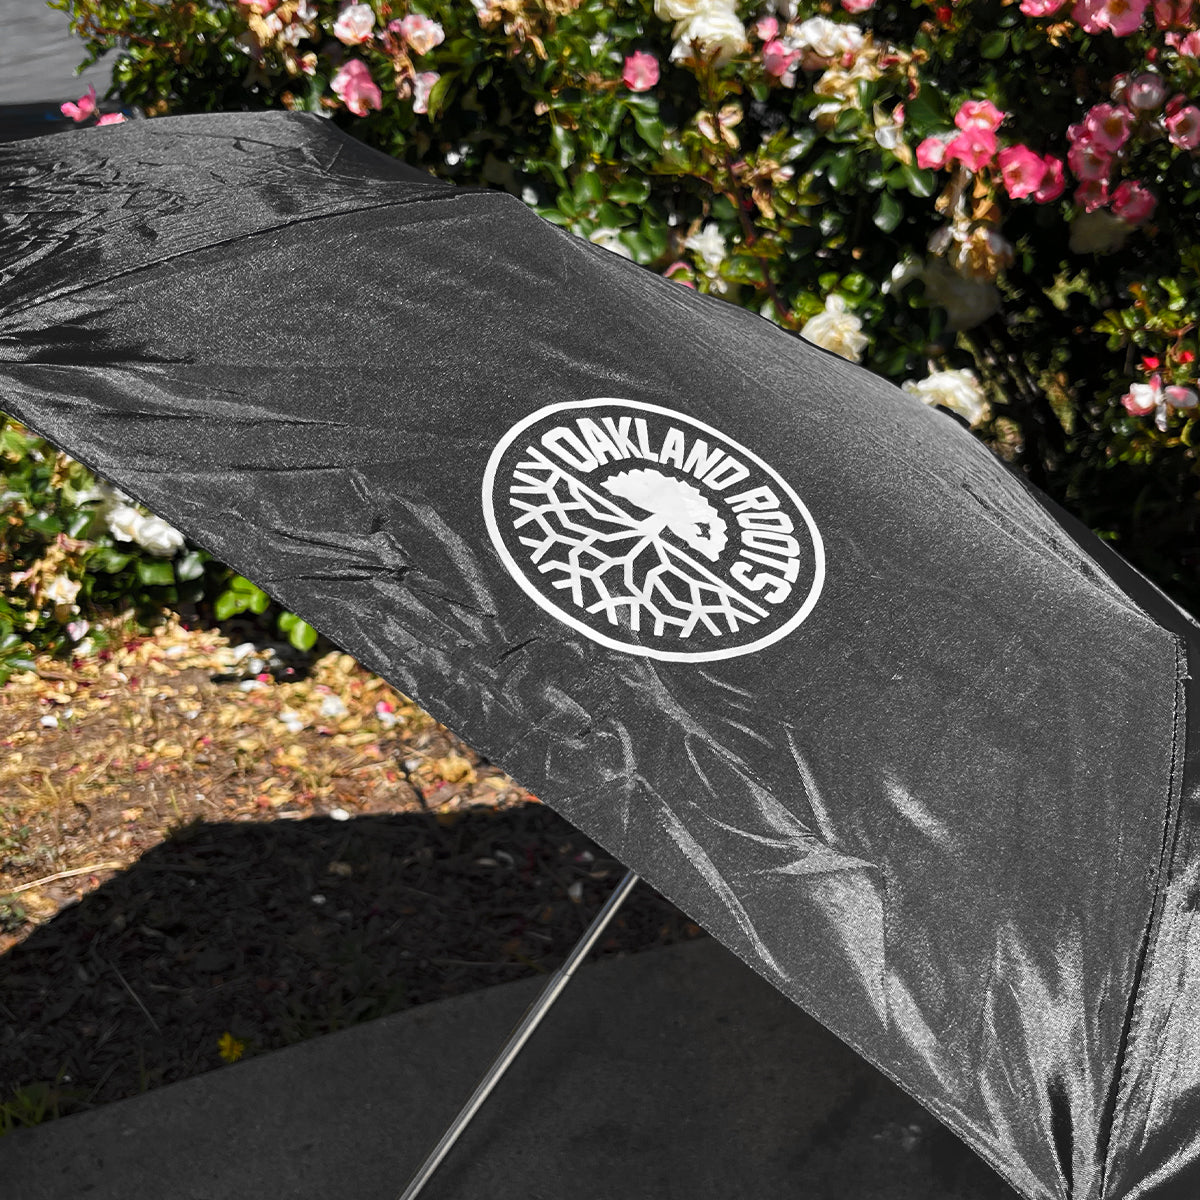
(989, 202)
(72, 547)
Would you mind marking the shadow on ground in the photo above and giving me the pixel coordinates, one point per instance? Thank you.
(277, 933)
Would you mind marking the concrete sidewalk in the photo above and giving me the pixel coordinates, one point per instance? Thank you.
(676, 1074)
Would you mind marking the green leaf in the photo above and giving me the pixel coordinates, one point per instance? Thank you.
(649, 127)
(563, 147)
(631, 189)
(259, 601)
(108, 560)
(994, 44)
(78, 523)
(588, 189)
(920, 182)
(48, 524)
(302, 635)
(838, 170)
(923, 114)
(227, 604)
(439, 92)
(190, 566)
(887, 215)
(155, 572)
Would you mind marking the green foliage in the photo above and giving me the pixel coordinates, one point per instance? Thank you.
(74, 552)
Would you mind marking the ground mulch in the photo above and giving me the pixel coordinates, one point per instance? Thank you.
(211, 849)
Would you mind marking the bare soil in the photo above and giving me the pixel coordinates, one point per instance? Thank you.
(207, 852)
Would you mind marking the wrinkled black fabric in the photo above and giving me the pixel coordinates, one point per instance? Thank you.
(953, 813)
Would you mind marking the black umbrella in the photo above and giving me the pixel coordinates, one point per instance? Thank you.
(792, 645)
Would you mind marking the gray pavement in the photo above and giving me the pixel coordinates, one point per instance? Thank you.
(675, 1074)
(38, 56)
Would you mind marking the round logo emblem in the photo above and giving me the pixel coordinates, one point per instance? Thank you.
(651, 532)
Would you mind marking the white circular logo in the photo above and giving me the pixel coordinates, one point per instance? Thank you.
(651, 532)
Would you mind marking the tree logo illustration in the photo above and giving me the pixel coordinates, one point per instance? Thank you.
(651, 532)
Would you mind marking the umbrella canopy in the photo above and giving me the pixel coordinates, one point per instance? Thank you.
(791, 644)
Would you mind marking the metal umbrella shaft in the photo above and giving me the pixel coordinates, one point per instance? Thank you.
(520, 1035)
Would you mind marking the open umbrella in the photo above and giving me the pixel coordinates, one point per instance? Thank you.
(793, 646)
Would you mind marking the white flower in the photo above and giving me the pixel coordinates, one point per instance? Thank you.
(292, 720)
(709, 245)
(713, 25)
(967, 301)
(157, 536)
(293, 34)
(123, 520)
(610, 239)
(957, 390)
(307, 12)
(1098, 232)
(422, 86)
(61, 591)
(680, 10)
(837, 330)
(829, 39)
(333, 706)
(354, 24)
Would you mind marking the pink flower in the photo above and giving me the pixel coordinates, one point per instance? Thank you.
(1190, 45)
(683, 270)
(419, 32)
(1170, 14)
(1145, 92)
(1119, 17)
(422, 86)
(898, 115)
(1022, 171)
(1089, 15)
(982, 114)
(641, 71)
(82, 108)
(1092, 194)
(857, 6)
(1041, 8)
(1133, 203)
(1143, 398)
(974, 147)
(1053, 181)
(1089, 162)
(263, 6)
(778, 60)
(1180, 397)
(354, 86)
(1108, 126)
(354, 25)
(931, 153)
(767, 28)
(111, 119)
(1183, 127)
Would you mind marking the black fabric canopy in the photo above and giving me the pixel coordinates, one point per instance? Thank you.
(792, 645)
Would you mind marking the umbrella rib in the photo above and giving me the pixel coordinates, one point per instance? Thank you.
(520, 1035)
